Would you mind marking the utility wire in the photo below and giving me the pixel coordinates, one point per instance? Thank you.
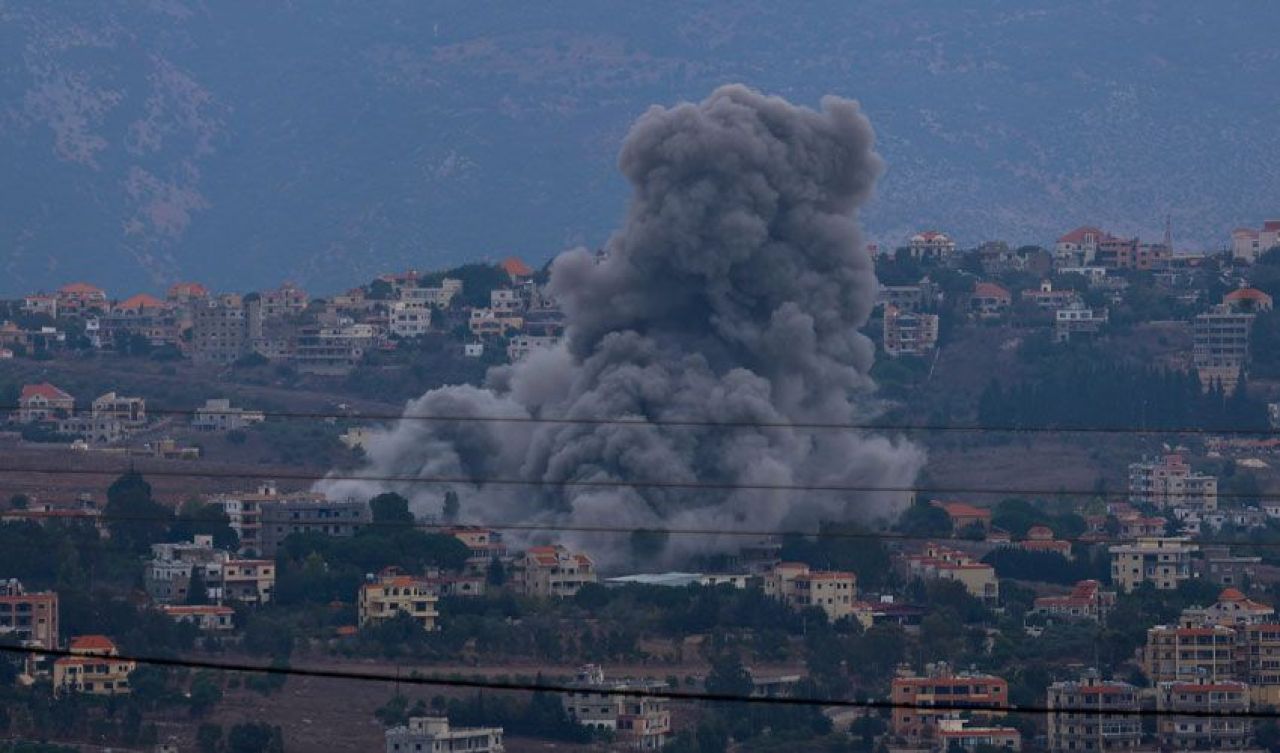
(734, 424)
(821, 533)
(589, 483)
(672, 695)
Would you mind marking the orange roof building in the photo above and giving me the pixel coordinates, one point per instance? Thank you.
(516, 268)
(139, 302)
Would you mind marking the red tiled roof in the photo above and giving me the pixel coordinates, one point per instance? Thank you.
(1252, 294)
(81, 288)
(1271, 225)
(140, 301)
(1247, 232)
(1078, 235)
(45, 390)
(964, 510)
(188, 289)
(1040, 533)
(989, 290)
(92, 643)
(1232, 594)
(196, 609)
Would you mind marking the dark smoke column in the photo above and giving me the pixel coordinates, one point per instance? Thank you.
(732, 293)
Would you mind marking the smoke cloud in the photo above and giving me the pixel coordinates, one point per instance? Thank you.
(732, 293)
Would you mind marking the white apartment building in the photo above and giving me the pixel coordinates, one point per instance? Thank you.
(1163, 561)
(639, 722)
(409, 318)
(432, 734)
(1170, 482)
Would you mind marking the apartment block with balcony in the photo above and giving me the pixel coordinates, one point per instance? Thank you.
(794, 584)
(286, 514)
(909, 334)
(917, 723)
(94, 668)
(1185, 654)
(638, 722)
(939, 562)
(1091, 714)
(434, 734)
(1220, 346)
(1169, 482)
(1180, 728)
(393, 593)
(547, 571)
(31, 617)
(1164, 561)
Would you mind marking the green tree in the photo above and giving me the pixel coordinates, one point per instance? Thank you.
(923, 518)
(135, 519)
(255, 737)
(391, 508)
(209, 738)
(205, 694)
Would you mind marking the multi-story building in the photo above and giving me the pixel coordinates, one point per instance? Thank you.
(908, 299)
(284, 301)
(1079, 247)
(1170, 482)
(909, 334)
(94, 669)
(1077, 321)
(1183, 654)
(284, 515)
(1232, 609)
(219, 415)
(1259, 661)
(490, 323)
(433, 734)
(333, 348)
(964, 516)
(522, 345)
(129, 411)
(43, 402)
(1218, 565)
(167, 576)
(29, 617)
(1087, 601)
(79, 298)
(393, 593)
(104, 430)
(503, 301)
(1247, 244)
(1095, 715)
(1180, 728)
(938, 562)
(209, 618)
(484, 545)
(250, 581)
(1049, 299)
(219, 330)
(1220, 347)
(409, 318)
(546, 571)
(1248, 300)
(957, 733)
(913, 718)
(1041, 539)
(439, 296)
(794, 584)
(640, 722)
(1163, 561)
(931, 244)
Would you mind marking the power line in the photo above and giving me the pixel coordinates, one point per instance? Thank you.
(821, 533)
(595, 483)
(671, 695)
(700, 423)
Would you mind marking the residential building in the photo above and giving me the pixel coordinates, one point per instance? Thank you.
(797, 586)
(218, 414)
(1179, 728)
(1220, 350)
(438, 296)
(167, 575)
(489, 323)
(94, 669)
(1259, 661)
(965, 516)
(29, 617)
(1164, 561)
(1094, 715)
(909, 334)
(1180, 654)
(1247, 300)
(484, 544)
(307, 513)
(129, 411)
(92, 429)
(931, 244)
(943, 563)
(1171, 482)
(43, 402)
(522, 345)
(505, 301)
(907, 299)
(1041, 539)
(1079, 247)
(186, 293)
(79, 298)
(1076, 320)
(1047, 298)
(913, 695)
(1248, 244)
(250, 581)
(41, 305)
(547, 571)
(219, 330)
(639, 722)
(434, 734)
(333, 348)
(1218, 565)
(393, 593)
(989, 300)
(409, 318)
(467, 585)
(285, 301)
(1086, 601)
(957, 733)
(1232, 609)
(209, 618)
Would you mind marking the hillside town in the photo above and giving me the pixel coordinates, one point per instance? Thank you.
(1152, 593)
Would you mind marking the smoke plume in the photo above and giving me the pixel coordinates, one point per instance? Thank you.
(733, 293)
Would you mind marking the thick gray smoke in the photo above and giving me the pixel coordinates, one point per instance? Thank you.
(733, 293)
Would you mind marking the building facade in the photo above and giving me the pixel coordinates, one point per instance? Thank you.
(640, 722)
(1164, 561)
(433, 734)
(393, 593)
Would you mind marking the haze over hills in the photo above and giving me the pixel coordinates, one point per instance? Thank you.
(243, 143)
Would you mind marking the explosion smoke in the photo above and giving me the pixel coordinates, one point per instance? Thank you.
(732, 293)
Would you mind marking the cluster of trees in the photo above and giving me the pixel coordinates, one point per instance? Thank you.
(251, 737)
(1048, 567)
(1087, 393)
